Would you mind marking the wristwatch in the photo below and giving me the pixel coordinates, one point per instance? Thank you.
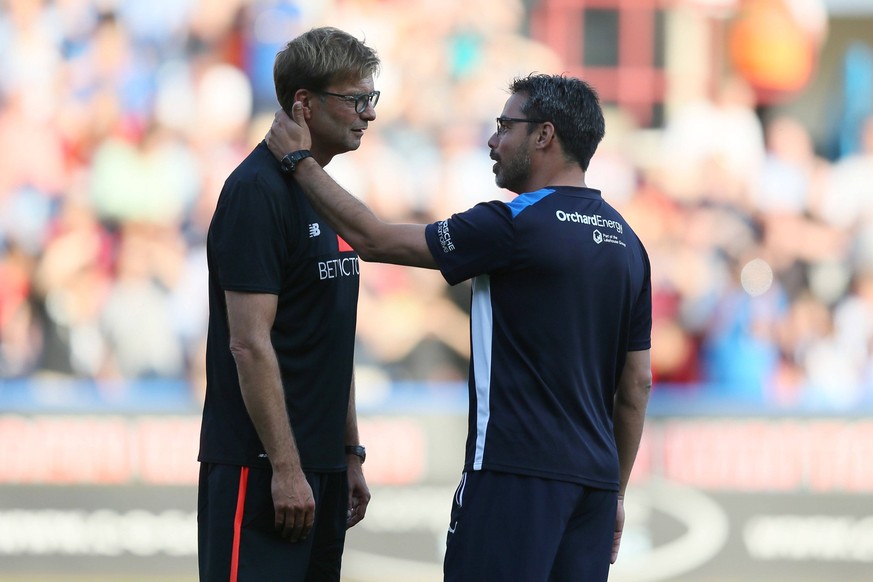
(358, 451)
(290, 161)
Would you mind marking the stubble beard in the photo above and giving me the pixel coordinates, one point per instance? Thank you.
(514, 172)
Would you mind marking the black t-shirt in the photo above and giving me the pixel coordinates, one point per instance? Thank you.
(266, 238)
(561, 293)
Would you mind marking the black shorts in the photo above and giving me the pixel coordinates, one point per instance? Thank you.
(237, 541)
(507, 527)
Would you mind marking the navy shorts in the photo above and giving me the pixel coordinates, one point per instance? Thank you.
(506, 527)
(236, 537)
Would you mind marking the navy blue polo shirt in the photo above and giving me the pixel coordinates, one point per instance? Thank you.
(561, 293)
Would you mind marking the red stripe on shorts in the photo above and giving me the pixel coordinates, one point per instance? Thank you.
(237, 522)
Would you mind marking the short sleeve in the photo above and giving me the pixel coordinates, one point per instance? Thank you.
(471, 243)
(250, 239)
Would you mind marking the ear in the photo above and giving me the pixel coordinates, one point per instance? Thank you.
(304, 96)
(546, 135)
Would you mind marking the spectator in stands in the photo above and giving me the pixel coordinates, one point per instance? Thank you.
(93, 89)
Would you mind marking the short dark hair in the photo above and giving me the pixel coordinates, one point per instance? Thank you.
(318, 58)
(571, 105)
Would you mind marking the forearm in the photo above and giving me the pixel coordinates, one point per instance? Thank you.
(359, 493)
(629, 414)
(628, 419)
(372, 238)
(352, 437)
(345, 213)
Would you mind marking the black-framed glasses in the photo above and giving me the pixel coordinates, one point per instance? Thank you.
(361, 101)
(503, 123)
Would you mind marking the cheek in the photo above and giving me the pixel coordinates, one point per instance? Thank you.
(325, 129)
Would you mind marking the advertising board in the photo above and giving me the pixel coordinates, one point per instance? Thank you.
(758, 499)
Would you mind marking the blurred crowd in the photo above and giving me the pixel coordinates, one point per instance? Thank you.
(120, 120)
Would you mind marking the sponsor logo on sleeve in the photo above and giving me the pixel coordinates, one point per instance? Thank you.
(445, 237)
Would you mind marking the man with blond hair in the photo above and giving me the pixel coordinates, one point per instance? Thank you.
(281, 477)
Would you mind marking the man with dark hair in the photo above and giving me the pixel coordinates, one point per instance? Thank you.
(560, 331)
(281, 477)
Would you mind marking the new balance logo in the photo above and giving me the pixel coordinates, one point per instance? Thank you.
(314, 230)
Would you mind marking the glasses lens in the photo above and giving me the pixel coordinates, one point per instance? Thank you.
(362, 101)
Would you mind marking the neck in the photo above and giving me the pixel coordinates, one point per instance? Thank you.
(571, 177)
(565, 175)
(321, 156)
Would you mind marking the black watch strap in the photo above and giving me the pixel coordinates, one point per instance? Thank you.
(290, 161)
(358, 451)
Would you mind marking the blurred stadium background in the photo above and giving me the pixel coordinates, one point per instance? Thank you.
(739, 145)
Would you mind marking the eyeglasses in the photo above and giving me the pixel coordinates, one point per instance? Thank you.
(503, 127)
(361, 101)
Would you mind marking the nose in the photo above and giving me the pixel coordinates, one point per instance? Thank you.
(492, 141)
(369, 112)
